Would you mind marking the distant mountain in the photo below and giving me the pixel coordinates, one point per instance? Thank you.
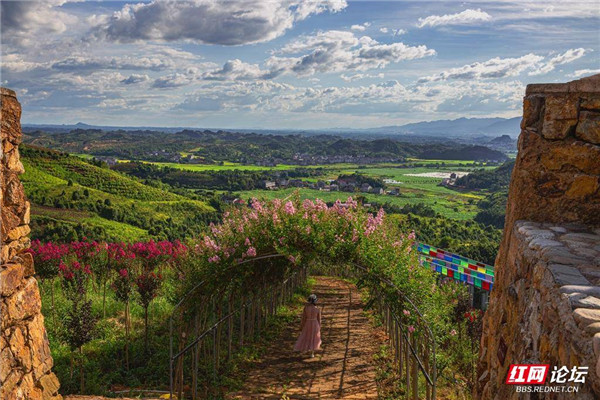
(504, 139)
(440, 129)
(461, 127)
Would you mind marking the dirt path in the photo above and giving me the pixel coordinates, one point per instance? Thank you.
(343, 369)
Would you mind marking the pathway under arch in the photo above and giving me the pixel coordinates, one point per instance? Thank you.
(344, 369)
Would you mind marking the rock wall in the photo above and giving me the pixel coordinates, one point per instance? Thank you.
(25, 360)
(545, 306)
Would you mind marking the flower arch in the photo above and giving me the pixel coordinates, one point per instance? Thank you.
(306, 233)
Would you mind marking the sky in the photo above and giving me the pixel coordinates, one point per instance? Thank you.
(288, 64)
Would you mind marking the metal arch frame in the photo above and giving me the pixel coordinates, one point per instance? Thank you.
(431, 379)
(173, 358)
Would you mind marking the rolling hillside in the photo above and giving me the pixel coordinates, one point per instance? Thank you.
(72, 198)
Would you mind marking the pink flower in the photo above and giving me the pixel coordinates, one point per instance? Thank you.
(289, 208)
(292, 259)
(214, 259)
(251, 252)
(411, 328)
(453, 332)
(406, 312)
(247, 242)
(123, 272)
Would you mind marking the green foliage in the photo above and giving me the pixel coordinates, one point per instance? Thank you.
(238, 179)
(76, 170)
(467, 238)
(493, 209)
(494, 180)
(103, 204)
(212, 147)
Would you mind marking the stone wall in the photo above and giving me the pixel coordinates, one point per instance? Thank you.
(545, 306)
(25, 360)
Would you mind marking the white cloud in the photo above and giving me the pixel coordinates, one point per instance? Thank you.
(355, 77)
(360, 28)
(565, 58)
(135, 79)
(172, 81)
(584, 72)
(210, 21)
(237, 70)
(24, 22)
(395, 32)
(466, 17)
(16, 63)
(334, 51)
(494, 68)
(84, 63)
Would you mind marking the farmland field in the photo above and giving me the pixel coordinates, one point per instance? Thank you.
(456, 206)
(414, 187)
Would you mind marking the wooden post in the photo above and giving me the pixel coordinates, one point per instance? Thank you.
(415, 371)
(219, 330)
(229, 328)
(242, 317)
(407, 364)
(427, 387)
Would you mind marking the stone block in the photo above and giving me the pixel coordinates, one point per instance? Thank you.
(27, 214)
(566, 275)
(10, 278)
(588, 127)
(532, 107)
(20, 349)
(596, 344)
(14, 195)
(13, 161)
(591, 103)
(539, 243)
(23, 304)
(585, 316)
(7, 362)
(10, 384)
(589, 290)
(19, 232)
(49, 384)
(579, 300)
(27, 262)
(560, 116)
(10, 221)
(560, 255)
(41, 357)
(582, 187)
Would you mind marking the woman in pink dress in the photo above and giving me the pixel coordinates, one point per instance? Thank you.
(310, 338)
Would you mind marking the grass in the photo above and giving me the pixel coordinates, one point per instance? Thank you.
(104, 368)
(115, 229)
(453, 205)
(60, 186)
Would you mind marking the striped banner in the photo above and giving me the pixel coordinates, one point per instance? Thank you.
(456, 266)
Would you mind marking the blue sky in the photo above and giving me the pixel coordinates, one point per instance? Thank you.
(288, 64)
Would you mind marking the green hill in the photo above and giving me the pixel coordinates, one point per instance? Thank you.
(72, 197)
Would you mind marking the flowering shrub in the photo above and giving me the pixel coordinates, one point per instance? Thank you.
(48, 257)
(303, 232)
(75, 276)
(147, 285)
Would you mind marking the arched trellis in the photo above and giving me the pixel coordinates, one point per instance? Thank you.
(408, 332)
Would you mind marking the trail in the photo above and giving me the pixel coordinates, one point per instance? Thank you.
(343, 369)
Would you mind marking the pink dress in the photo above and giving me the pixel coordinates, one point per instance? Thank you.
(310, 338)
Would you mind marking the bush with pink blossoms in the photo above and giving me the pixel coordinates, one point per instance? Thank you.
(303, 232)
